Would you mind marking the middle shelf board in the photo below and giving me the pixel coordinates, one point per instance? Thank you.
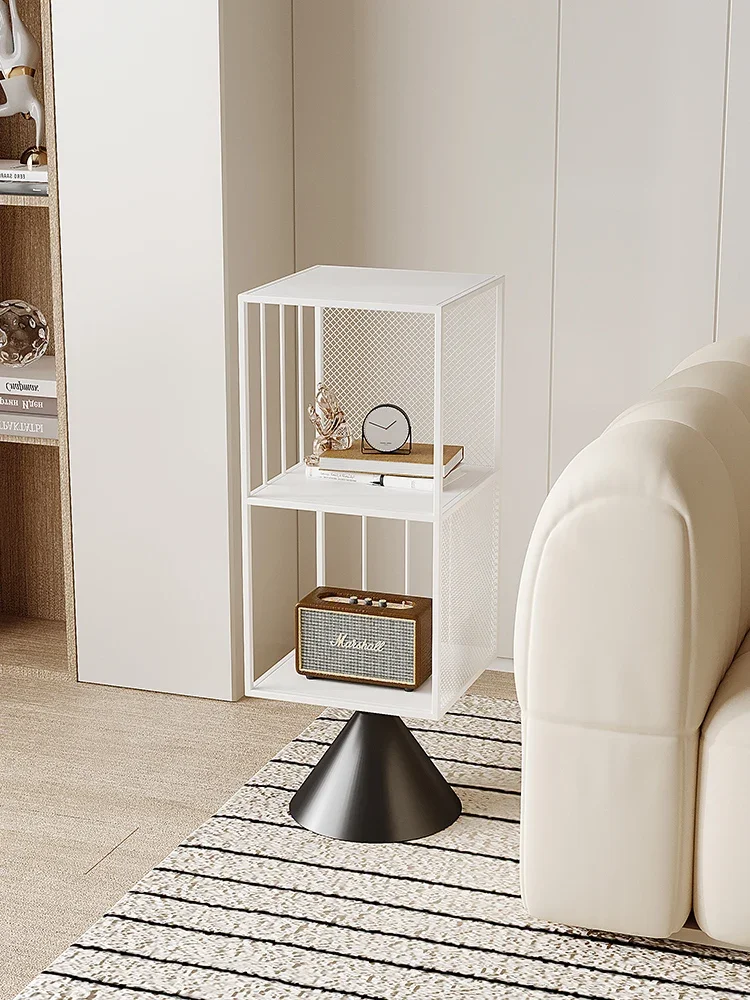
(283, 683)
(296, 491)
(25, 200)
(15, 439)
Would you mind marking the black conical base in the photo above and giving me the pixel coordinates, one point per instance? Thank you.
(375, 785)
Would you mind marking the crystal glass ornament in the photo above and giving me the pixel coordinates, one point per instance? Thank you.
(24, 336)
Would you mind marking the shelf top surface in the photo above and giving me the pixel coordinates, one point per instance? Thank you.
(368, 287)
(295, 490)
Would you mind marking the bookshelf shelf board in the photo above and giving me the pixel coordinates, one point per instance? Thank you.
(283, 683)
(25, 200)
(32, 647)
(295, 491)
(45, 442)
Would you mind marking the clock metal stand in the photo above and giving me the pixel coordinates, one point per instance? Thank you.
(375, 785)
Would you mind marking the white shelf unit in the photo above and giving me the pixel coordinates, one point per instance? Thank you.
(430, 342)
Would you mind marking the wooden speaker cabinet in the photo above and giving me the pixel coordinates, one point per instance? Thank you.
(371, 638)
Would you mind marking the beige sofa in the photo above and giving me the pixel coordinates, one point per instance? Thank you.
(632, 672)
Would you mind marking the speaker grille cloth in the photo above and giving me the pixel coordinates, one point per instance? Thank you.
(394, 663)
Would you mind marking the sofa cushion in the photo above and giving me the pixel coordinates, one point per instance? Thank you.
(722, 843)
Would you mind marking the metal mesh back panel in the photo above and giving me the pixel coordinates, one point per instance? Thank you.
(468, 592)
(372, 356)
(470, 376)
(394, 663)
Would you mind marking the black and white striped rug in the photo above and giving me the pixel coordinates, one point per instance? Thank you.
(253, 906)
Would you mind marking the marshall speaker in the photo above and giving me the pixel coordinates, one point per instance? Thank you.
(370, 638)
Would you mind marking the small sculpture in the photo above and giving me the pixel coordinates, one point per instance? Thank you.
(331, 429)
(24, 336)
(19, 60)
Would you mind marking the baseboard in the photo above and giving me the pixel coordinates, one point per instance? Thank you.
(502, 663)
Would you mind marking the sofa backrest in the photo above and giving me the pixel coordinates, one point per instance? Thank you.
(640, 558)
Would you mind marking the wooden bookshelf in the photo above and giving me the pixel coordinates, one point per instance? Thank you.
(37, 611)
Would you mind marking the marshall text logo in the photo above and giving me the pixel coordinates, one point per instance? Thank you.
(342, 641)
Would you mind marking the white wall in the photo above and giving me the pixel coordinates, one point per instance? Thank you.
(594, 151)
(575, 146)
(425, 137)
(638, 181)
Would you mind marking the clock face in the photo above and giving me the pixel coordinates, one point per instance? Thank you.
(386, 428)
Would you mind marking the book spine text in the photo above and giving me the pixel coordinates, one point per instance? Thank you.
(40, 427)
(17, 385)
(29, 405)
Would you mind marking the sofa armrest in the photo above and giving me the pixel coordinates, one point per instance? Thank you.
(627, 619)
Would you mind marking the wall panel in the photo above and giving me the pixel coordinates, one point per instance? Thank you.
(733, 312)
(151, 270)
(640, 134)
(425, 139)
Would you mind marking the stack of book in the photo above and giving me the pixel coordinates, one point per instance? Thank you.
(15, 178)
(398, 472)
(28, 400)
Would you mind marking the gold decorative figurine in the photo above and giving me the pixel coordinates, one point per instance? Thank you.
(331, 429)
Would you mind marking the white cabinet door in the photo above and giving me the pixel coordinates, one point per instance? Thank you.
(150, 300)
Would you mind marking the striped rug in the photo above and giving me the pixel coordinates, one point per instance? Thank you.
(253, 906)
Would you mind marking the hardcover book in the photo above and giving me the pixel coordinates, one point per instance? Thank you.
(14, 170)
(35, 379)
(418, 463)
(24, 426)
(422, 483)
(30, 188)
(45, 405)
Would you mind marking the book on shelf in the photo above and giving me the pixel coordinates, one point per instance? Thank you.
(422, 484)
(15, 178)
(34, 190)
(28, 426)
(14, 171)
(29, 405)
(35, 379)
(418, 463)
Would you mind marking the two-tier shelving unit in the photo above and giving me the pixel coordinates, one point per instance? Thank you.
(431, 343)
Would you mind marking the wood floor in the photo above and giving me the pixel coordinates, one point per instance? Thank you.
(99, 784)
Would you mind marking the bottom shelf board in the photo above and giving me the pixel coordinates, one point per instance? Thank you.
(32, 647)
(283, 683)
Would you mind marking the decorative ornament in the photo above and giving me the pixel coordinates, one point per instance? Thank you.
(331, 429)
(20, 56)
(24, 336)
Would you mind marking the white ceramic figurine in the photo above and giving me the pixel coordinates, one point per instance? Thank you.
(19, 60)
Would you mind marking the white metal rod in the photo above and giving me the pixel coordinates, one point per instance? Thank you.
(320, 548)
(263, 396)
(318, 346)
(247, 609)
(282, 382)
(301, 381)
(364, 553)
(437, 527)
(407, 559)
